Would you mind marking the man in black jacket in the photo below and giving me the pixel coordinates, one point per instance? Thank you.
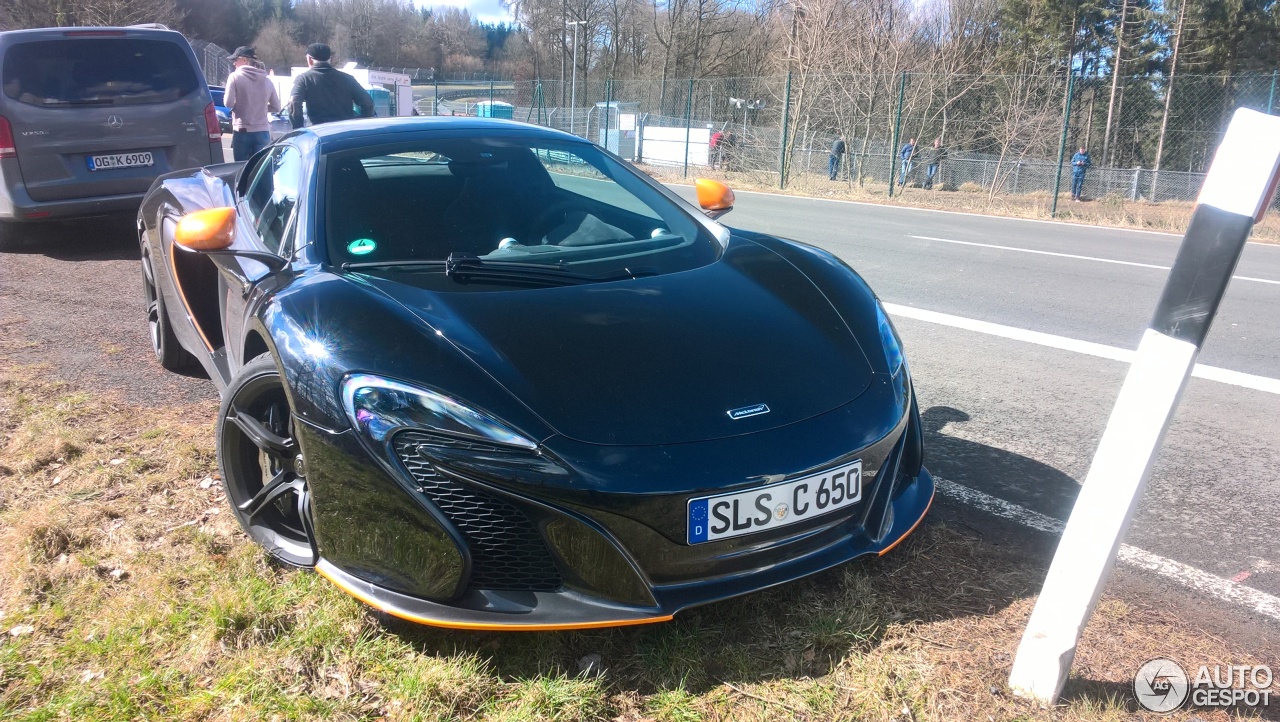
(328, 93)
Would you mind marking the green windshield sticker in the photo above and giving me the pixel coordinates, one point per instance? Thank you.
(362, 246)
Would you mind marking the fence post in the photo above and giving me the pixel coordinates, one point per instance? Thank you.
(786, 119)
(1062, 143)
(608, 104)
(897, 130)
(491, 96)
(435, 97)
(688, 124)
(1271, 99)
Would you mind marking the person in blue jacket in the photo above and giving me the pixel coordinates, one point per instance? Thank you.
(1080, 163)
(906, 154)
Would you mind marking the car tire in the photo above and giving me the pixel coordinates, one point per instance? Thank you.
(263, 472)
(164, 343)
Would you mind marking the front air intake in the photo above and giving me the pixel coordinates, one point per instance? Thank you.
(507, 552)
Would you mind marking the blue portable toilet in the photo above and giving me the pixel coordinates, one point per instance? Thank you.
(381, 101)
(496, 109)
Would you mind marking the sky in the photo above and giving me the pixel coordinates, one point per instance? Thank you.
(487, 11)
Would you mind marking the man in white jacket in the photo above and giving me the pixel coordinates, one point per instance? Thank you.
(250, 95)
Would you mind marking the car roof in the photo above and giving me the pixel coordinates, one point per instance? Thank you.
(345, 131)
(88, 32)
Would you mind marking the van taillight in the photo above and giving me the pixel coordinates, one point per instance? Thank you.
(211, 123)
(7, 148)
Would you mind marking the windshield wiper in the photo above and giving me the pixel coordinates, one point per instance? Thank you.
(464, 266)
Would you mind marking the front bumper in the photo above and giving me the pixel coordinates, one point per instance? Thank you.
(569, 609)
(604, 545)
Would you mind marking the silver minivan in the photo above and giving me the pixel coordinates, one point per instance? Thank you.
(90, 116)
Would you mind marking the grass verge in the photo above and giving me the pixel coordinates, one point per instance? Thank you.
(127, 591)
(1112, 210)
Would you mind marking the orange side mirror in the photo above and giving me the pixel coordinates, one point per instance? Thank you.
(715, 197)
(208, 230)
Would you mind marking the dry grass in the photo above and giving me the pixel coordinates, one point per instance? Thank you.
(1112, 210)
(127, 591)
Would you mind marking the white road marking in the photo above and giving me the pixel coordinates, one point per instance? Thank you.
(1114, 353)
(1072, 255)
(1188, 576)
(963, 213)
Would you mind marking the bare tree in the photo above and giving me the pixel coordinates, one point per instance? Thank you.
(1115, 75)
(276, 47)
(1027, 117)
(1168, 96)
(128, 12)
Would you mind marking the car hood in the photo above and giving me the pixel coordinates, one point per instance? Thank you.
(657, 360)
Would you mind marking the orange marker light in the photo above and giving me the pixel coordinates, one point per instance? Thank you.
(208, 230)
(713, 195)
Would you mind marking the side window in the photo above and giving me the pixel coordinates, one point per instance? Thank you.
(273, 194)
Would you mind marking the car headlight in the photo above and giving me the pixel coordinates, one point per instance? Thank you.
(379, 407)
(889, 341)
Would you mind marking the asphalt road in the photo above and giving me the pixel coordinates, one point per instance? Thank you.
(1021, 421)
(1091, 300)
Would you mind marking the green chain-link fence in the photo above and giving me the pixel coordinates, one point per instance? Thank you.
(1001, 135)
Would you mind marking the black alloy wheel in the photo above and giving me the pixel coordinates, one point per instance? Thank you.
(164, 343)
(262, 467)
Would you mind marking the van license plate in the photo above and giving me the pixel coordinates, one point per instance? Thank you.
(120, 160)
(769, 507)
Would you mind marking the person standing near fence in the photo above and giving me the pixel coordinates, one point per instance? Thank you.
(906, 153)
(932, 159)
(1080, 163)
(835, 158)
(250, 95)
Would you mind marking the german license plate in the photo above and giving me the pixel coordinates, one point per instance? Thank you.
(121, 160)
(770, 507)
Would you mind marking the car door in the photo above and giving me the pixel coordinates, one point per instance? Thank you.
(266, 210)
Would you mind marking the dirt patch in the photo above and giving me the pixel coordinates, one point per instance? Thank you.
(72, 299)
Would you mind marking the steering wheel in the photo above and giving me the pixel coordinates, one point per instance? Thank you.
(548, 219)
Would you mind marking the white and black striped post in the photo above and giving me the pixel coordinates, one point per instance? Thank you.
(1236, 192)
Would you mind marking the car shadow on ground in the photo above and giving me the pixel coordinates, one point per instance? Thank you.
(947, 570)
(992, 470)
(107, 238)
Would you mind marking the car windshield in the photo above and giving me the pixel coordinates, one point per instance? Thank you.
(503, 200)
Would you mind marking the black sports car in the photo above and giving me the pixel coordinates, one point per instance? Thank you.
(482, 374)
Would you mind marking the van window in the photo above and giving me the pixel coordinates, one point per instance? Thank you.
(97, 71)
